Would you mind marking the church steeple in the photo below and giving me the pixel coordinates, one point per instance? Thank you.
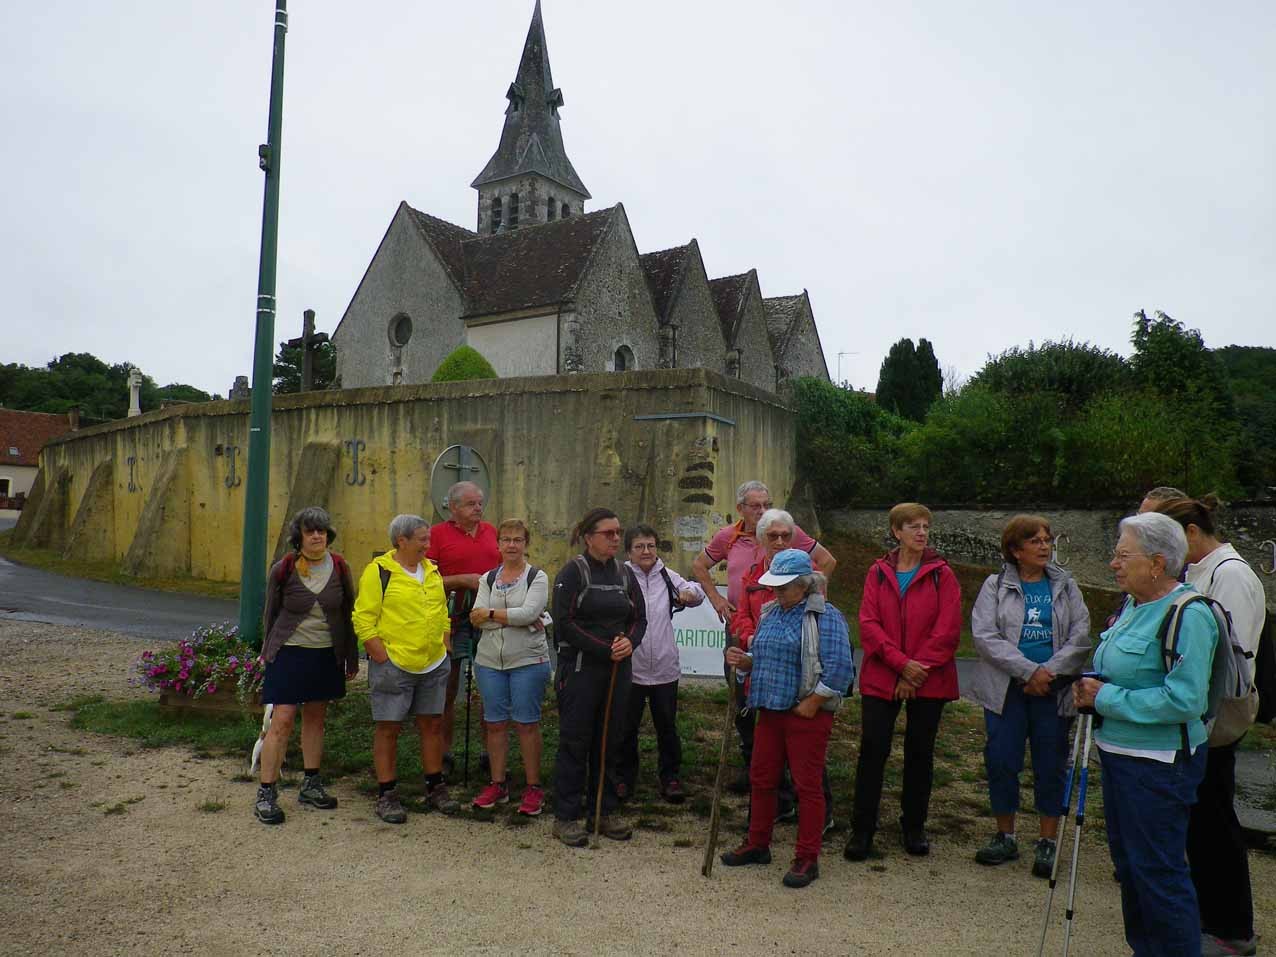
(529, 178)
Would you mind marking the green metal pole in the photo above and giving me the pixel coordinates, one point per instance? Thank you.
(252, 569)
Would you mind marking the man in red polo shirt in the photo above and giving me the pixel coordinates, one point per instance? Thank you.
(464, 548)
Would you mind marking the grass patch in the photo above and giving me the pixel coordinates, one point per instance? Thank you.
(51, 561)
(78, 702)
(22, 716)
(211, 806)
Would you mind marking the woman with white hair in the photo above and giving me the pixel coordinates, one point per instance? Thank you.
(1152, 742)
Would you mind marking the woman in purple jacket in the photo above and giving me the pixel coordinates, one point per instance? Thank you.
(656, 665)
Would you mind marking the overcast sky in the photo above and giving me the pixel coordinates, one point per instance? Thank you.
(979, 173)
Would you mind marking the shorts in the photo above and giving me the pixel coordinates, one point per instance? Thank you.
(396, 693)
(300, 675)
(515, 693)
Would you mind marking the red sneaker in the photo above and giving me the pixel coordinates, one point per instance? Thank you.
(491, 796)
(533, 800)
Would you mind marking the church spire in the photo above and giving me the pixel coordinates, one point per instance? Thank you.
(531, 148)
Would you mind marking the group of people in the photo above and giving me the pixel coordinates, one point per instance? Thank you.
(464, 588)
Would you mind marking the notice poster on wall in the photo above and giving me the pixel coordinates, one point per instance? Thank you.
(700, 637)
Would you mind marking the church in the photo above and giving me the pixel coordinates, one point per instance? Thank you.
(544, 287)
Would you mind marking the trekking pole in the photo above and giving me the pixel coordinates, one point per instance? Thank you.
(1076, 834)
(1070, 776)
(469, 677)
(711, 846)
(602, 757)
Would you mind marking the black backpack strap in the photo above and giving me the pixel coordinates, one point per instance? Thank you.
(675, 605)
(385, 579)
(532, 572)
(491, 576)
(586, 579)
(1235, 558)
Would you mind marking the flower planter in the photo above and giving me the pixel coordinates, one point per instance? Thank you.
(224, 700)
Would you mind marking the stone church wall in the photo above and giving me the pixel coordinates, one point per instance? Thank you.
(700, 340)
(664, 446)
(757, 366)
(803, 356)
(404, 277)
(614, 305)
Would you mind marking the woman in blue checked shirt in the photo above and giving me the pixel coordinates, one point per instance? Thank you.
(800, 666)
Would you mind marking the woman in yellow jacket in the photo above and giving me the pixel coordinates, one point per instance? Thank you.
(401, 620)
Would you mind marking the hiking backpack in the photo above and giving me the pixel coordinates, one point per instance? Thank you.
(1264, 659)
(1232, 700)
(531, 575)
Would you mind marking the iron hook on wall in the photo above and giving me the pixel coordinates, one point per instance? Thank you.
(354, 447)
(1056, 555)
(1269, 569)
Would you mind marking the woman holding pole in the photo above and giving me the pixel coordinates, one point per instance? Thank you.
(600, 616)
(1152, 742)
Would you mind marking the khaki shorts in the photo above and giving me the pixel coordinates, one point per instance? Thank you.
(396, 693)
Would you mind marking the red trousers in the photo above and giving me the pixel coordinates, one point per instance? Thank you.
(803, 742)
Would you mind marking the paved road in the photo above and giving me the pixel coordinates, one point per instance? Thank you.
(30, 594)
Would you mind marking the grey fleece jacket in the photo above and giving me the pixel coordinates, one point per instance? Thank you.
(996, 623)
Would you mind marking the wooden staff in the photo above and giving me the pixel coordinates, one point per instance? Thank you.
(711, 846)
(602, 757)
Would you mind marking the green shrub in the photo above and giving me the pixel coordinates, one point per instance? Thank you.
(464, 362)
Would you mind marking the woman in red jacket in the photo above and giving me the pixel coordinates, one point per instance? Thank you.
(910, 621)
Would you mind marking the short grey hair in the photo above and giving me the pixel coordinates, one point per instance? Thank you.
(751, 486)
(1158, 534)
(458, 489)
(773, 515)
(405, 526)
(815, 583)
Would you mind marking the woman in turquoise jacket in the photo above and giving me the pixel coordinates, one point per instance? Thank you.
(1152, 740)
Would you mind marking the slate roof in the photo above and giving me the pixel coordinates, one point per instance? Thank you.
(446, 238)
(27, 432)
(783, 315)
(728, 297)
(531, 266)
(664, 270)
(531, 140)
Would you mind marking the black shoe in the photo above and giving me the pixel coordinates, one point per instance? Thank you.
(859, 847)
(915, 840)
(673, 792)
(267, 806)
(801, 872)
(746, 854)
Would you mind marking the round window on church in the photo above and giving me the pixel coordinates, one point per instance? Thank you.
(400, 330)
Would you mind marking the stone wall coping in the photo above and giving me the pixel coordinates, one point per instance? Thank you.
(649, 380)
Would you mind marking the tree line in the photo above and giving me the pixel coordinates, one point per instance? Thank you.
(1065, 423)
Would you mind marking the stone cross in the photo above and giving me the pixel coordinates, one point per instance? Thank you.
(134, 392)
(309, 341)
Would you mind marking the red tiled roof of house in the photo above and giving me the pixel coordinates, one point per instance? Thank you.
(23, 434)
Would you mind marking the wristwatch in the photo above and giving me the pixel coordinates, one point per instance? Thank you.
(491, 613)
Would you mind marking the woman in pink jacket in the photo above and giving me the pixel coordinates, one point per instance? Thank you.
(910, 621)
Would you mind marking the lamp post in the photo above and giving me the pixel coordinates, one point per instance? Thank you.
(252, 569)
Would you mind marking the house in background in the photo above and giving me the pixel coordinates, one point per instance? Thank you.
(22, 436)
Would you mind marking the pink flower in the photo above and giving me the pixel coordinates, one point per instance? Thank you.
(212, 689)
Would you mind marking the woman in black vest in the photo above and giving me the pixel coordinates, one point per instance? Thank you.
(600, 616)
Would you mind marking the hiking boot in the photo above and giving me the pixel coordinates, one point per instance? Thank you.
(673, 792)
(390, 809)
(611, 827)
(1212, 946)
(859, 847)
(746, 853)
(1002, 849)
(623, 791)
(533, 800)
(915, 840)
(491, 796)
(267, 808)
(439, 800)
(1043, 858)
(740, 783)
(312, 793)
(801, 872)
(571, 833)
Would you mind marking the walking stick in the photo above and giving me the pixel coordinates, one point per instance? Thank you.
(1076, 834)
(469, 677)
(602, 757)
(711, 846)
(1070, 776)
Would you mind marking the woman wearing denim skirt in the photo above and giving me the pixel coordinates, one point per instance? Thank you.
(1031, 629)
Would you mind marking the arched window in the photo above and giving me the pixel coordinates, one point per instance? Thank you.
(567, 211)
(550, 208)
(513, 210)
(496, 214)
(624, 361)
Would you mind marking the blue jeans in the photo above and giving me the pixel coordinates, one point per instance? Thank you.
(516, 693)
(1146, 804)
(1037, 721)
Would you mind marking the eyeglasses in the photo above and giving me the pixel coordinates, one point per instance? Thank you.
(643, 546)
(1039, 540)
(757, 507)
(917, 527)
(607, 532)
(779, 536)
(1122, 558)
(511, 541)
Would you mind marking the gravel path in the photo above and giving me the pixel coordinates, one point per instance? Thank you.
(163, 877)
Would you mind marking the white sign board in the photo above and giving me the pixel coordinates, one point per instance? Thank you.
(700, 637)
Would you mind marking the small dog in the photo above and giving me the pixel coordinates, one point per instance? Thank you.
(261, 739)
